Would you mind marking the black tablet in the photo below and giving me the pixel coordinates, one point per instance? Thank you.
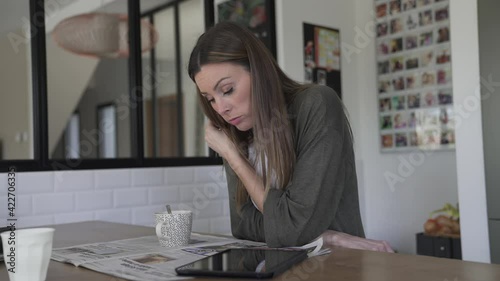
(246, 263)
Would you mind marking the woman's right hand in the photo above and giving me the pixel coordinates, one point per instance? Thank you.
(219, 141)
(339, 239)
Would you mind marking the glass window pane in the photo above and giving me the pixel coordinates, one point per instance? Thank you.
(87, 66)
(16, 105)
(160, 94)
(107, 127)
(192, 25)
(72, 137)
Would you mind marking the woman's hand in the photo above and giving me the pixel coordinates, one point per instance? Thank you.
(335, 238)
(219, 141)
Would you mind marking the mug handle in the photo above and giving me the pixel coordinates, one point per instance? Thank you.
(158, 228)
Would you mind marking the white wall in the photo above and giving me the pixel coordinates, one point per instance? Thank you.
(489, 45)
(191, 28)
(394, 213)
(68, 76)
(469, 135)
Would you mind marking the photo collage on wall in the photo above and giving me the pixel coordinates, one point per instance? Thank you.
(415, 96)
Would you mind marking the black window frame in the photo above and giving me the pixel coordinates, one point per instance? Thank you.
(41, 160)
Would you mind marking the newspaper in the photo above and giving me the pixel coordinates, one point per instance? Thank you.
(144, 259)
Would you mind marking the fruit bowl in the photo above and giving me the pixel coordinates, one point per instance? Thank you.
(445, 224)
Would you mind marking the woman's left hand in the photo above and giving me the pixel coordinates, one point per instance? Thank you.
(335, 238)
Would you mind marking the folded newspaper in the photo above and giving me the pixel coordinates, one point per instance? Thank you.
(144, 259)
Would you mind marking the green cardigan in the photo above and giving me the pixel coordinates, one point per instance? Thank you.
(323, 193)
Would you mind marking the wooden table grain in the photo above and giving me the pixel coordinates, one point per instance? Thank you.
(341, 264)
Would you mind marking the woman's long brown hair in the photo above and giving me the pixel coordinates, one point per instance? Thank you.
(272, 90)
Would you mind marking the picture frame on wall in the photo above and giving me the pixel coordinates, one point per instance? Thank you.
(257, 15)
(322, 47)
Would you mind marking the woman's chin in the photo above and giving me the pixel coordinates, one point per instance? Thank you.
(243, 127)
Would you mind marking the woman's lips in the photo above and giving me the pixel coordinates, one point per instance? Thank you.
(235, 121)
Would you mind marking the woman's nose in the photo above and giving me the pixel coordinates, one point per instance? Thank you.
(222, 107)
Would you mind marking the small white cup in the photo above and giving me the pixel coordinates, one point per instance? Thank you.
(33, 248)
(174, 229)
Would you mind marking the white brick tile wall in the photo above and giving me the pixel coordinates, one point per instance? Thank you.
(122, 195)
(112, 178)
(115, 215)
(131, 197)
(220, 225)
(3, 185)
(225, 208)
(175, 176)
(3, 209)
(189, 192)
(147, 177)
(73, 180)
(211, 209)
(73, 217)
(209, 174)
(53, 203)
(223, 190)
(29, 183)
(34, 221)
(201, 225)
(24, 205)
(202, 192)
(185, 206)
(163, 194)
(145, 215)
(94, 200)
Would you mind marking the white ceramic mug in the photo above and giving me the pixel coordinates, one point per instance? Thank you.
(174, 229)
(32, 250)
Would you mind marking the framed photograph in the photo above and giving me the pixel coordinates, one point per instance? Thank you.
(381, 10)
(256, 15)
(409, 4)
(401, 140)
(414, 100)
(443, 55)
(321, 77)
(441, 14)
(396, 25)
(386, 122)
(395, 7)
(322, 56)
(382, 29)
(412, 21)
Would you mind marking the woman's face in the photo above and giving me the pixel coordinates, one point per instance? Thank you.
(227, 87)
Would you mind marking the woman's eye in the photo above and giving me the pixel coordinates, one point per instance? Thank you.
(228, 91)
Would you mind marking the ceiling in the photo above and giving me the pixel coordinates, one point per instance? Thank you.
(14, 14)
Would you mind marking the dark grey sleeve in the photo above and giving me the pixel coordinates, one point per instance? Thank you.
(309, 203)
(248, 223)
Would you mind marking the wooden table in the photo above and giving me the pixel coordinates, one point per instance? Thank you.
(341, 264)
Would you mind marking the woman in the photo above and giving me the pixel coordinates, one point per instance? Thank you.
(287, 147)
